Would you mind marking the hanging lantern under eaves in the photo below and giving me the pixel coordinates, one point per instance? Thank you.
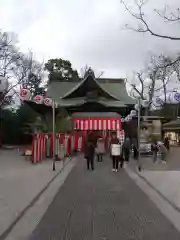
(176, 97)
(25, 94)
(133, 113)
(48, 101)
(159, 101)
(38, 99)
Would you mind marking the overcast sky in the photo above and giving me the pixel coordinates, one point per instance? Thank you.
(86, 32)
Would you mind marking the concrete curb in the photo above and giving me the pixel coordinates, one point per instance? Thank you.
(156, 190)
(32, 203)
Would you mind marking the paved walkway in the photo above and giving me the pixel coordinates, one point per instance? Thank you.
(20, 183)
(102, 205)
(165, 178)
(173, 162)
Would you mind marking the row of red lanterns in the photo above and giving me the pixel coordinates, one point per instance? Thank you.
(25, 95)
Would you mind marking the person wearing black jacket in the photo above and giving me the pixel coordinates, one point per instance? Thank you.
(126, 149)
(166, 143)
(89, 151)
(154, 149)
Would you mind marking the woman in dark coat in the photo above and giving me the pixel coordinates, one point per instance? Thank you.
(90, 151)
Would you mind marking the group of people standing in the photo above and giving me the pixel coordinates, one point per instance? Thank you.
(95, 146)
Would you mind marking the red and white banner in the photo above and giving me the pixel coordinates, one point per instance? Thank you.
(97, 123)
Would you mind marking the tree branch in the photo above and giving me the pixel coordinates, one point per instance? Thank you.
(144, 27)
(169, 16)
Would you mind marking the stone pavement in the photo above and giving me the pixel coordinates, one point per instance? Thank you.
(165, 178)
(20, 183)
(173, 162)
(102, 205)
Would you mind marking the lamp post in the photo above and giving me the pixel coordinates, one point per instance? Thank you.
(140, 103)
(138, 134)
(54, 136)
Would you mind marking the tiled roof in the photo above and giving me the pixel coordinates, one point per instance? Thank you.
(116, 88)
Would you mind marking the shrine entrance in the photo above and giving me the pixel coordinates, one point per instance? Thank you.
(92, 104)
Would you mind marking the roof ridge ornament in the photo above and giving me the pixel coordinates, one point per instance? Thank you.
(89, 72)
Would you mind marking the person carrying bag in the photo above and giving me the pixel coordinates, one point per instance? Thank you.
(116, 152)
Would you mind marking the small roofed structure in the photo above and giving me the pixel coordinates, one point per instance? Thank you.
(172, 131)
(172, 125)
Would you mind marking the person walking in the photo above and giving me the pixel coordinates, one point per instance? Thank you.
(166, 143)
(154, 149)
(89, 152)
(100, 150)
(163, 151)
(126, 149)
(115, 158)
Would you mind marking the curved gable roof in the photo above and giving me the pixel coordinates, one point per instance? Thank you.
(115, 87)
(90, 76)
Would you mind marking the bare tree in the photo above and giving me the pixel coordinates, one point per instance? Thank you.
(144, 86)
(8, 56)
(28, 72)
(144, 26)
(176, 68)
(140, 88)
(83, 71)
(148, 82)
(17, 68)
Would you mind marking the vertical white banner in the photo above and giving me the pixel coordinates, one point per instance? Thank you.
(104, 124)
(118, 125)
(86, 125)
(95, 124)
(82, 125)
(91, 124)
(114, 125)
(109, 125)
(77, 124)
(100, 124)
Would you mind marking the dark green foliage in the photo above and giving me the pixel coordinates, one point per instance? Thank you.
(16, 125)
(168, 110)
(61, 70)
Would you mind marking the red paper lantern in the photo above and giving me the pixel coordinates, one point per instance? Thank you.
(38, 99)
(25, 94)
(48, 101)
